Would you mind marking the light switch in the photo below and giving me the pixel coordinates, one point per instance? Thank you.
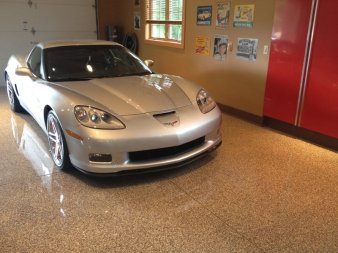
(266, 49)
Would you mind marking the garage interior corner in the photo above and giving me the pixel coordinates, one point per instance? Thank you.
(261, 191)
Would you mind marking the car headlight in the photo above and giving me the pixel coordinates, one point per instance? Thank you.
(96, 118)
(204, 101)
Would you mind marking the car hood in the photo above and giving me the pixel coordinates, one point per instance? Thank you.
(133, 94)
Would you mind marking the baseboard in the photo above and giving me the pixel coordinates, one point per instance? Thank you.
(302, 133)
(298, 132)
(241, 114)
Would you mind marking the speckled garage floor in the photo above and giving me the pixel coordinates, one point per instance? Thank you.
(262, 191)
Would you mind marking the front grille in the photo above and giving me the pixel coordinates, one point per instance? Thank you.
(165, 152)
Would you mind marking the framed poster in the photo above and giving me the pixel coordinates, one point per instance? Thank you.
(137, 21)
(202, 45)
(247, 49)
(204, 15)
(244, 15)
(220, 47)
(222, 14)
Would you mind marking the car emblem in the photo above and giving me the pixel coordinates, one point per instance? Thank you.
(168, 119)
(171, 123)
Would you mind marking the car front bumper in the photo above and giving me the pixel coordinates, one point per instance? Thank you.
(155, 145)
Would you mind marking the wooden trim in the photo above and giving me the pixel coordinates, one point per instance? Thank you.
(241, 114)
(167, 18)
(183, 23)
(165, 41)
(164, 22)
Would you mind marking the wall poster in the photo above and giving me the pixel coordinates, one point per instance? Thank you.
(137, 21)
(220, 47)
(202, 45)
(244, 15)
(222, 14)
(204, 15)
(247, 49)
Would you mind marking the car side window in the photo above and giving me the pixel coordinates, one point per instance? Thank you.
(34, 62)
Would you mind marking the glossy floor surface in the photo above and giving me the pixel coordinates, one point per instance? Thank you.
(262, 191)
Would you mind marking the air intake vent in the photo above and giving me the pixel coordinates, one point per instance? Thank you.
(165, 152)
(164, 114)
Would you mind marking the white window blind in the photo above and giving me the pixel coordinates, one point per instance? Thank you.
(165, 21)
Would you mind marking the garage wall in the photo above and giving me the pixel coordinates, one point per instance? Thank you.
(23, 23)
(236, 83)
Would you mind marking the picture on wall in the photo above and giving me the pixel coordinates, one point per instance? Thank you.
(137, 21)
(220, 47)
(204, 15)
(247, 49)
(222, 14)
(244, 15)
(202, 45)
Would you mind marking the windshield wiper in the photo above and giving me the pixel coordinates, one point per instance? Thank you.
(104, 76)
(124, 74)
(72, 79)
(137, 74)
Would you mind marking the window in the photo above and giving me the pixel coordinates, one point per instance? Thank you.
(74, 63)
(34, 62)
(165, 22)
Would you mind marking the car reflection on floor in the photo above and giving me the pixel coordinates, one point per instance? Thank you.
(35, 150)
(31, 146)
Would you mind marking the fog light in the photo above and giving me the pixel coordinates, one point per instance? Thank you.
(100, 158)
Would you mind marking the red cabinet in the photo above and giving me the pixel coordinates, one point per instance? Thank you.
(287, 56)
(320, 108)
(302, 82)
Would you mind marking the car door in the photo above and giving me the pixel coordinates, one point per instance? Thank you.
(32, 90)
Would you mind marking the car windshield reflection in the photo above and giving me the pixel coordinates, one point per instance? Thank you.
(80, 63)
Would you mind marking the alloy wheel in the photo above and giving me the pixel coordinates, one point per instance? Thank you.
(55, 140)
(10, 93)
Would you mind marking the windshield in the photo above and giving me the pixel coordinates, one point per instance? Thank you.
(88, 62)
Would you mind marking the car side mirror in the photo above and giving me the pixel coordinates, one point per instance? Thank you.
(23, 71)
(149, 63)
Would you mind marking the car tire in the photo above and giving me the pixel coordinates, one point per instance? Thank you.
(12, 97)
(57, 142)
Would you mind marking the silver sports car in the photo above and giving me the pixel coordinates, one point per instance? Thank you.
(104, 111)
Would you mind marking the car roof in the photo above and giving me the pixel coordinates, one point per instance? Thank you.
(51, 44)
